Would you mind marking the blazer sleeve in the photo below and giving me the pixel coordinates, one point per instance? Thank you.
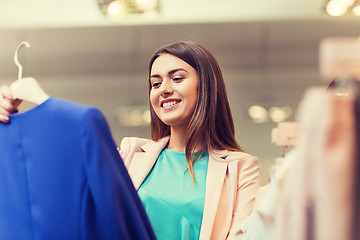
(248, 184)
(111, 206)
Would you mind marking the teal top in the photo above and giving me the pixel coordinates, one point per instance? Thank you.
(173, 202)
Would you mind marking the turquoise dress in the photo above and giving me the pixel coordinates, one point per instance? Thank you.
(173, 203)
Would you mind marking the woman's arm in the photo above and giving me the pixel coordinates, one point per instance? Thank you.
(248, 186)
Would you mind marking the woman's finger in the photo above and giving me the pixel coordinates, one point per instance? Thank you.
(5, 92)
(4, 115)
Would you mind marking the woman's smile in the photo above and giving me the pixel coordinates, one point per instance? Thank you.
(169, 103)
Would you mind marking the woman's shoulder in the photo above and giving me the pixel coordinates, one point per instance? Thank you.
(235, 157)
(246, 167)
(243, 159)
(240, 155)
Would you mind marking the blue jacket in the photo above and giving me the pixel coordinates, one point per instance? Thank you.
(61, 177)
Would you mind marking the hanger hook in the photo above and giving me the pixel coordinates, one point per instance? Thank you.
(16, 57)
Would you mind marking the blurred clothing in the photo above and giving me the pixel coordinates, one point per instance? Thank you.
(318, 195)
(356, 217)
(311, 195)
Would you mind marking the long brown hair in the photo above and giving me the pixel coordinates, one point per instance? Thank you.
(211, 124)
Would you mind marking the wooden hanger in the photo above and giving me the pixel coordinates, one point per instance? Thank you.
(27, 89)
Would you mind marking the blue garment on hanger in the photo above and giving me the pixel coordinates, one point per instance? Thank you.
(61, 177)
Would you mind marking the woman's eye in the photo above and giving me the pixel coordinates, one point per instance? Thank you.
(156, 84)
(177, 78)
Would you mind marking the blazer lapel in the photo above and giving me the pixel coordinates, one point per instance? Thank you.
(143, 161)
(216, 172)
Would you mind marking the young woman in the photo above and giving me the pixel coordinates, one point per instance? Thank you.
(194, 180)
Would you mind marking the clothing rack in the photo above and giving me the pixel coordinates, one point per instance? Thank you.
(314, 193)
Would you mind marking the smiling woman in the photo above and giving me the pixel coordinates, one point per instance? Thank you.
(192, 177)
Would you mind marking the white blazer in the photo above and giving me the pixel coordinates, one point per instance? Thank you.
(233, 179)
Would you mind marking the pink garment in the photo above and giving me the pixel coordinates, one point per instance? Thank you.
(317, 198)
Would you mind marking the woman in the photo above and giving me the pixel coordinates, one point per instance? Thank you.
(194, 180)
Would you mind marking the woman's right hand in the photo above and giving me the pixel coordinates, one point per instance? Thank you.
(7, 104)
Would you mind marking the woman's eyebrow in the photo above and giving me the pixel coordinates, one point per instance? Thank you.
(175, 70)
(169, 73)
(155, 76)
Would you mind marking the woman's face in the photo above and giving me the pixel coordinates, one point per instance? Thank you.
(174, 88)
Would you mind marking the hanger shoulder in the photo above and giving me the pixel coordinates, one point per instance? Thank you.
(28, 89)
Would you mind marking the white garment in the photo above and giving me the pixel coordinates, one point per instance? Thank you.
(317, 198)
(260, 224)
(310, 196)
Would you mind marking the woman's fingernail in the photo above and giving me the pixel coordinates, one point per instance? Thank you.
(5, 119)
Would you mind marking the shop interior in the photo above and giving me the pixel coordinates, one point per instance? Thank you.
(268, 52)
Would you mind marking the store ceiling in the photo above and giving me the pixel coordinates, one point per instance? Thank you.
(79, 13)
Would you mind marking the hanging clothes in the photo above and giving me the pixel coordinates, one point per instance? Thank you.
(61, 177)
(260, 225)
(317, 200)
(313, 191)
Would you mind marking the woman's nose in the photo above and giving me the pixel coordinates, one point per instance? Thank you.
(166, 88)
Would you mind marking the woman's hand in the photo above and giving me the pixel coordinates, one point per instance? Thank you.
(7, 104)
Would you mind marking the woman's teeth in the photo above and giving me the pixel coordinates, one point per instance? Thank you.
(168, 104)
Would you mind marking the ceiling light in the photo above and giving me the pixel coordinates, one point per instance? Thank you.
(338, 8)
(347, 3)
(356, 11)
(147, 5)
(119, 9)
(279, 114)
(116, 10)
(258, 114)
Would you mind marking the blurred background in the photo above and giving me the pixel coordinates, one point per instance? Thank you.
(96, 52)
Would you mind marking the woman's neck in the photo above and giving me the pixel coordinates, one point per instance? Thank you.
(178, 138)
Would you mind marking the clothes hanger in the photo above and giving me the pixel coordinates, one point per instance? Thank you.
(344, 86)
(27, 89)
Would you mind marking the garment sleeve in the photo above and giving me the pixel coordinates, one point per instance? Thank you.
(111, 206)
(248, 186)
